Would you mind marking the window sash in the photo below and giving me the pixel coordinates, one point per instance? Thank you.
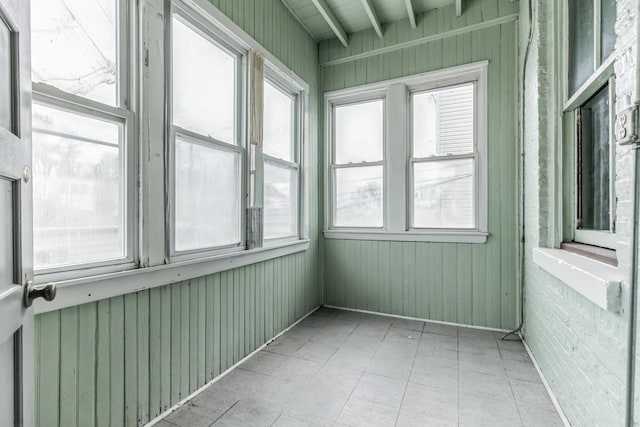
(296, 114)
(603, 73)
(440, 159)
(275, 78)
(207, 143)
(128, 190)
(123, 114)
(419, 91)
(360, 98)
(334, 201)
(289, 166)
(199, 25)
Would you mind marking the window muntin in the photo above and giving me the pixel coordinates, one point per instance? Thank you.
(79, 192)
(594, 163)
(281, 153)
(444, 158)
(74, 47)
(84, 200)
(357, 169)
(206, 204)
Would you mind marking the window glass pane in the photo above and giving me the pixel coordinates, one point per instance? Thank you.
(207, 196)
(74, 46)
(280, 201)
(594, 192)
(203, 84)
(608, 34)
(278, 123)
(6, 82)
(443, 122)
(443, 194)
(358, 193)
(77, 189)
(359, 132)
(581, 59)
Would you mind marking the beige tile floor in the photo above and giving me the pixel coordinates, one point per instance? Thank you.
(342, 368)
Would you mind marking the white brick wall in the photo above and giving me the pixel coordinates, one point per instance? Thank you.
(580, 347)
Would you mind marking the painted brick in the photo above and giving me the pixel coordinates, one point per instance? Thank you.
(580, 348)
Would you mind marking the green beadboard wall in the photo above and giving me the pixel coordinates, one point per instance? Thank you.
(125, 360)
(465, 283)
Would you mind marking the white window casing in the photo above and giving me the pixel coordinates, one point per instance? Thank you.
(398, 160)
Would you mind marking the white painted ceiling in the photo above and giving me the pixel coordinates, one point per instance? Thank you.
(351, 14)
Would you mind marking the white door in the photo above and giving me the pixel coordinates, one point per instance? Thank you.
(16, 267)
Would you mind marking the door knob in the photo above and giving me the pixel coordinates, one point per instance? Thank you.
(31, 292)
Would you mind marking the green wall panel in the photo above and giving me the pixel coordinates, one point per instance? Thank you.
(464, 283)
(125, 360)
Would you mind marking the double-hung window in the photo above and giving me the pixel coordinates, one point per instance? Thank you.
(83, 136)
(407, 158)
(206, 139)
(281, 154)
(357, 169)
(444, 158)
(588, 113)
(140, 137)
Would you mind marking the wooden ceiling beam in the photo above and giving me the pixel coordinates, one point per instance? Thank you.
(412, 14)
(332, 21)
(458, 7)
(373, 17)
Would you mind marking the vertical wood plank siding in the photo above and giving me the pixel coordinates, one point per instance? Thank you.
(466, 283)
(125, 360)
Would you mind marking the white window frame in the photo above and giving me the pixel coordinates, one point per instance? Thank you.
(603, 74)
(346, 99)
(474, 155)
(124, 114)
(200, 25)
(290, 88)
(147, 73)
(398, 161)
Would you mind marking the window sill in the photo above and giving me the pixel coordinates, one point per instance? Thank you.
(88, 289)
(409, 236)
(596, 281)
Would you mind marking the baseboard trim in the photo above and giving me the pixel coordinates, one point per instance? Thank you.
(216, 379)
(563, 417)
(419, 319)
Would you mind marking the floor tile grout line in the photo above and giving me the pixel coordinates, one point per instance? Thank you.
(406, 386)
(515, 401)
(224, 413)
(348, 397)
(374, 345)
